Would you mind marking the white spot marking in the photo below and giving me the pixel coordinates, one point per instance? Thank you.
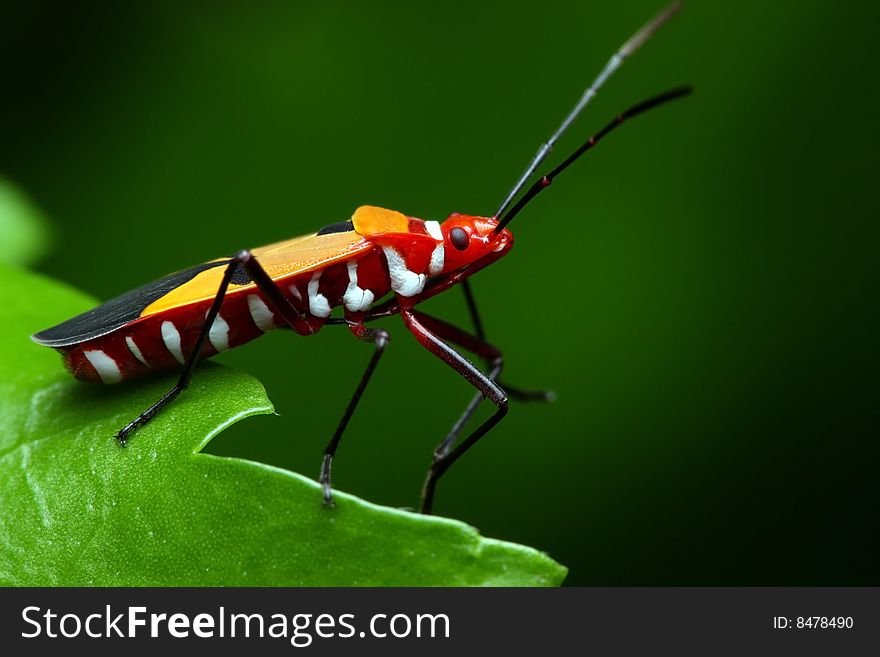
(260, 313)
(106, 367)
(438, 257)
(171, 338)
(433, 228)
(318, 304)
(403, 281)
(295, 293)
(133, 348)
(356, 299)
(219, 333)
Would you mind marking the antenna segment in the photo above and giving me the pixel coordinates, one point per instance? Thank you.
(627, 49)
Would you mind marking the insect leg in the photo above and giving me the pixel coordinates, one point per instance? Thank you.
(186, 375)
(416, 323)
(476, 345)
(515, 393)
(280, 304)
(379, 337)
(277, 302)
(495, 364)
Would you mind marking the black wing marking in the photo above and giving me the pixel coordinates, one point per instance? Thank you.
(117, 312)
(338, 227)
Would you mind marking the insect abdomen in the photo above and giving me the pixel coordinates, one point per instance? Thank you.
(165, 340)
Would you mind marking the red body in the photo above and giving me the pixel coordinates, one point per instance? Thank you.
(149, 344)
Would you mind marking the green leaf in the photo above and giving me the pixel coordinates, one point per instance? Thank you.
(77, 509)
(24, 233)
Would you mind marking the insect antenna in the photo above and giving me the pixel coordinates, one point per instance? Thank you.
(627, 49)
(544, 181)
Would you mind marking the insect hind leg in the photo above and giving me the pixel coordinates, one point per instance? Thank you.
(519, 394)
(277, 302)
(186, 375)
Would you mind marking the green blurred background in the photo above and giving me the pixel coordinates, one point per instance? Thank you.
(699, 291)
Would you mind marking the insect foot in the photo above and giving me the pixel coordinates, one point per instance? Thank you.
(324, 478)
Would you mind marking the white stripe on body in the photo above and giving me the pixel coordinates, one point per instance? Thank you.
(260, 313)
(107, 368)
(404, 282)
(133, 348)
(356, 299)
(433, 228)
(171, 338)
(318, 304)
(438, 255)
(218, 336)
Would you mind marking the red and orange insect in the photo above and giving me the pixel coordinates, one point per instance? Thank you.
(198, 312)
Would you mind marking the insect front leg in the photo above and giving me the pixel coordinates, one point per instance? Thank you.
(379, 338)
(477, 345)
(515, 393)
(494, 363)
(418, 323)
(392, 307)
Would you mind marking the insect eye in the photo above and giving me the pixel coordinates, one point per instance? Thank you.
(459, 238)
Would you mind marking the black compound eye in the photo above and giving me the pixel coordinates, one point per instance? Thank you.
(459, 238)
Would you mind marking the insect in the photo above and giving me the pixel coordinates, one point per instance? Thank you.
(379, 263)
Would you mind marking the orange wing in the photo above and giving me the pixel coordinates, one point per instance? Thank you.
(290, 257)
